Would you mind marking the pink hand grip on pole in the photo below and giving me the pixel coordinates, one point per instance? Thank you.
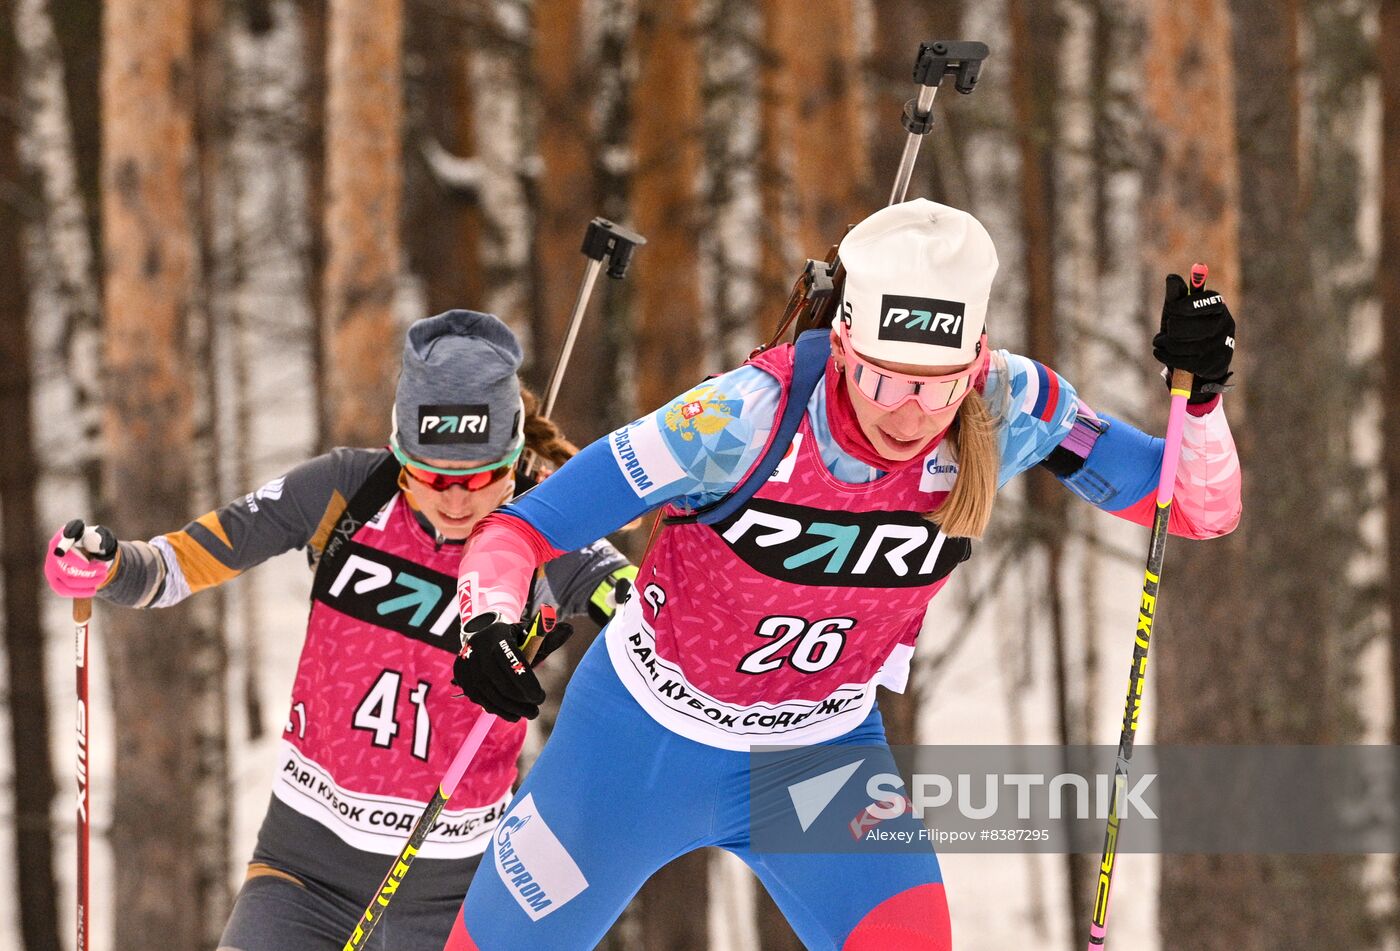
(1171, 457)
(475, 737)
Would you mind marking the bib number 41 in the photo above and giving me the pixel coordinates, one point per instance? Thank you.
(376, 713)
(815, 645)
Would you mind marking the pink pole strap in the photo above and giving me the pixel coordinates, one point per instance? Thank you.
(467, 753)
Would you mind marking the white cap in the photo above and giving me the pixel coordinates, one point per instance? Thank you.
(918, 275)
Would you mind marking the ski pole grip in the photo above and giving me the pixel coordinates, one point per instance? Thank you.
(82, 610)
(1181, 379)
(72, 533)
(1199, 273)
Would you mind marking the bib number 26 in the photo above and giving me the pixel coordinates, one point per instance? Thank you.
(814, 645)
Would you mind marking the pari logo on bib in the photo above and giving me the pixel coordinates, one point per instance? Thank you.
(918, 276)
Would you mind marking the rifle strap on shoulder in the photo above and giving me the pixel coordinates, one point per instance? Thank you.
(369, 498)
(812, 350)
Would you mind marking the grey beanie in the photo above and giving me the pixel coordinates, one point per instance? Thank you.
(458, 396)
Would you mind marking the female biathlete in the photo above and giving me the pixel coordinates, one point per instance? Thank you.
(775, 624)
(374, 720)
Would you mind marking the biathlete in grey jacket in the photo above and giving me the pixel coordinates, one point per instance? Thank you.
(373, 722)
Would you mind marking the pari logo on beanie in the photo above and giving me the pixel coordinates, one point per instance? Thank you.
(918, 277)
(446, 424)
(922, 320)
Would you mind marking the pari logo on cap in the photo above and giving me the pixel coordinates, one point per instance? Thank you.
(926, 320)
(443, 424)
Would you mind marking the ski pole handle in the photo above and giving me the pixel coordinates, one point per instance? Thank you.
(936, 60)
(1181, 381)
(603, 241)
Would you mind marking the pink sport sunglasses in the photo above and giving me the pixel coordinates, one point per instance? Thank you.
(889, 390)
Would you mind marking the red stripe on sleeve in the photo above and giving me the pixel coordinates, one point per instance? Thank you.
(1052, 395)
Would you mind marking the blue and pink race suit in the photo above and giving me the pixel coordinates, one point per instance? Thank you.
(773, 626)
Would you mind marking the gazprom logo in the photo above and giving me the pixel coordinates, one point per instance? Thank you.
(922, 320)
(642, 454)
(532, 863)
(939, 475)
(636, 473)
(527, 891)
(443, 424)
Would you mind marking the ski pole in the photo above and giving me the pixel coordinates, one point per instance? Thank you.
(369, 920)
(961, 59)
(812, 302)
(603, 240)
(543, 623)
(1137, 673)
(76, 532)
(82, 615)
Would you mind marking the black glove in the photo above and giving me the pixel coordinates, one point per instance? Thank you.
(1197, 335)
(492, 669)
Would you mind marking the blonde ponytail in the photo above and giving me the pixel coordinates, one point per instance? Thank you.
(973, 440)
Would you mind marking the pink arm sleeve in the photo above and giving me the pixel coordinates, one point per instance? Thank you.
(497, 563)
(1206, 499)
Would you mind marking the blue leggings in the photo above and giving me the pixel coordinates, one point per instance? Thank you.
(615, 796)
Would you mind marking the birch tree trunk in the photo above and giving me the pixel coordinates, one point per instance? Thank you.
(730, 44)
(1036, 36)
(149, 237)
(26, 685)
(63, 260)
(361, 232)
(499, 74)
(208, 639)
(613, 71)
(1388, 279)
(259, 293)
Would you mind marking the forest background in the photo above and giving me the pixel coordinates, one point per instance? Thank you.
(216, 219)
